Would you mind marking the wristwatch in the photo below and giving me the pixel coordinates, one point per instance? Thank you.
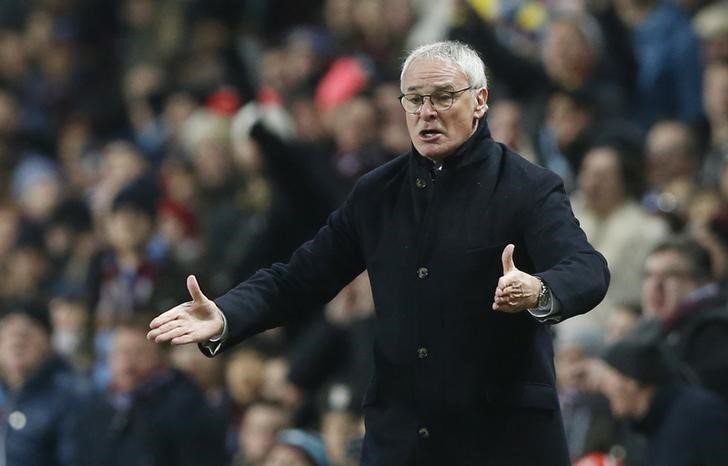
(544, 297)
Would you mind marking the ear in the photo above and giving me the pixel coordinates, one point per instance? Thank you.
(481, 99)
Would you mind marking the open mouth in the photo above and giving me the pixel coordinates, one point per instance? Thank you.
(429, 133)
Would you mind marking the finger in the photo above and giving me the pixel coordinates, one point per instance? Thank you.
(162, 337)
(194, 288)
(172, 334)
(507, 259)
(168, 316)
(183, 339)
(169, 326)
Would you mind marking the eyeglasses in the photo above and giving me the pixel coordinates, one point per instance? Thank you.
(440, 100)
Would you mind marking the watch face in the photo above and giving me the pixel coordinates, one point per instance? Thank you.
(543, 296)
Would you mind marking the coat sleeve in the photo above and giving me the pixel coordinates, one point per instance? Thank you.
(576, 274)
(316, 271)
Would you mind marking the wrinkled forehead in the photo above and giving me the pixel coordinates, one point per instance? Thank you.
(432, 74)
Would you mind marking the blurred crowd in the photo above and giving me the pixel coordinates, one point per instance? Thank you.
(145, 140)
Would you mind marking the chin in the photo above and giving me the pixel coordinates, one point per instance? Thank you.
(436, 153)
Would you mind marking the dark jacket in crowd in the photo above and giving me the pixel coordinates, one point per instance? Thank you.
(686, 426)
(38, 419)
(697, 336)
(455, 382)
(165, 422)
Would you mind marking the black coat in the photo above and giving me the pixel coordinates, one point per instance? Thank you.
(165, 422)
(685, 426)
(455, 382)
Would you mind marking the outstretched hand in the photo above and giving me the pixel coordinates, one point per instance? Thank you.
(517, 290)
(195, 321)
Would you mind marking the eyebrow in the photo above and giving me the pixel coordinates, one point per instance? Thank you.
(436, 87)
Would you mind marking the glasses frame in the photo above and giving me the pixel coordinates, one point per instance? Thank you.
(453, 96)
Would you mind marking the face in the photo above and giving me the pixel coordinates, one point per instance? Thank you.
(566, 119)
(668, 281)
(622, 393)
(133, 359)
(619, 323)
(128, 229)
(24, 345)
(600, 180)
(715, 93)
(258, 431)
(437, 134)
(566, 54)
(505, 123)
(244, 377)
(667, 157)
(570, 368)
(207, 372)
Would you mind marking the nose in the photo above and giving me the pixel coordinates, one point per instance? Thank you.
(427, 110)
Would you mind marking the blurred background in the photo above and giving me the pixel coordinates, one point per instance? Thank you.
(144, 140)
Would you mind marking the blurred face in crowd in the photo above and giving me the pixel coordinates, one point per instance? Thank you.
(567, 55)
(9, 114)
(244, 376)
(715, 93)
(40, 198)
(715, 48)
(600, 180)
(437, 134)
(207, 372)
(284, 455)
(566, 119)
(667, 283)
(627, 397)
(258, 431)
(668, 153)
(352, 116)
(505, 123)
(128, 228)
(9, 228)
(133, 359)
(24, 346)
(569, 363)
(121, 164)
(621, 320)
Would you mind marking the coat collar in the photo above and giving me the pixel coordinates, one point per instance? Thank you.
(465, 155)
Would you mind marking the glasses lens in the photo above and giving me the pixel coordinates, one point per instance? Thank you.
(441, 100)
(412, 102)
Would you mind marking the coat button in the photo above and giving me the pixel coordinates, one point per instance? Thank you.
(422, 352)
(423, 432)
(420, 183)
(422, 272)
(17, 420)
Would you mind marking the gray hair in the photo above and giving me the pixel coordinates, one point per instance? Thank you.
(464, 57)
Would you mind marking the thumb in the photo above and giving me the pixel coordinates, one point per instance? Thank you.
(194, 288)
(507, 258)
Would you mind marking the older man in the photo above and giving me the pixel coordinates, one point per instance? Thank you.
(39, 392)
(463, 357)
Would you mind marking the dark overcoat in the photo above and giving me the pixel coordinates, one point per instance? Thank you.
(455, 382)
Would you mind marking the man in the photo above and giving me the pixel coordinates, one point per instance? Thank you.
(669, 69)
(679, 294)
(462, 374)
(39, 393)
(150, 414)
(684, 425)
